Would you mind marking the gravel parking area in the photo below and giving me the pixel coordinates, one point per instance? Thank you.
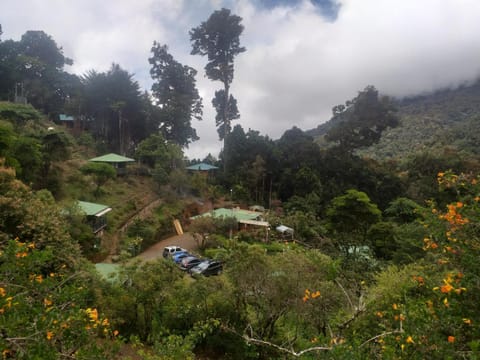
(185, 241)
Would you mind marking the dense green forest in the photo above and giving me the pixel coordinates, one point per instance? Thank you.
(383, 199)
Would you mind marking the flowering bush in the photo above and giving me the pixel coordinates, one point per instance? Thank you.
(43, 308)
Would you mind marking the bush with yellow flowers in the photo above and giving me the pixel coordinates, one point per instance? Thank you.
(47, 306)
(44, 310)
(429, 309)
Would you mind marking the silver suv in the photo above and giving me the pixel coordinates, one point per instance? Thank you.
(168, 251)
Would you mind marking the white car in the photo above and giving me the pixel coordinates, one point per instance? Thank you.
(168, 251)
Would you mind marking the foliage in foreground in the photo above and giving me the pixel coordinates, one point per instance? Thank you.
(47, 303)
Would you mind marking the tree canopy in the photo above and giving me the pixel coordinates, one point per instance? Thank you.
(176, 94)
(218, 38)
(362, 120)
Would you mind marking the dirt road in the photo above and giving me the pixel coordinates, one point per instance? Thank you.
(155, 251)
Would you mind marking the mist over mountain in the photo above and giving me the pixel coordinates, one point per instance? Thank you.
(447, 117)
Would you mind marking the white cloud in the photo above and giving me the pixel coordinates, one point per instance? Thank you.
(298, 64)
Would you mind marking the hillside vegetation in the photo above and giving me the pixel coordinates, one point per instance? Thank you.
(427, 123)
(380, 260)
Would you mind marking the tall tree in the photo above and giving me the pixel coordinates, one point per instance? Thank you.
(176, 94)
(34, 68)
(42, 63)
(219, 39)
(114, 101)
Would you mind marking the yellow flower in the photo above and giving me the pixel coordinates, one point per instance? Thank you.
(93, 314)
(2, 292)
(39, 278)
(410, 340)
(47, 302)
(49, 335)
(467, 321)
(105, 322)
(445, 302)
(395, 307)
(9, 301)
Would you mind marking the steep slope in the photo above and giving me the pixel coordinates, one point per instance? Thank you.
(447, 117)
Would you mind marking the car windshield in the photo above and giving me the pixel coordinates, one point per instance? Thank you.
(203, 265)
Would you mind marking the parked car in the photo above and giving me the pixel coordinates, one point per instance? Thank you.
(171, 250)
(179, 255)
(189, 262)
(207, 268)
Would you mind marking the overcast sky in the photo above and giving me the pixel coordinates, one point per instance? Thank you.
(303, 56)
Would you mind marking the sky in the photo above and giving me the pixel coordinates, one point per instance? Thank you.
(303, 56)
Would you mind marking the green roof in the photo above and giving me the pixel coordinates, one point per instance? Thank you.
(108, 271)
(112, 158)
(202, 167)
(238, 214)
(64, 117)
(92, 209)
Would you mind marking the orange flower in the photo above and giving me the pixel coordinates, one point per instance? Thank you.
(451, 339)
(49, 335)
(410, 340)
(115, 332)
(2, 292)
(395, 307)
(467, 321)
(446, 288)
(47, 302)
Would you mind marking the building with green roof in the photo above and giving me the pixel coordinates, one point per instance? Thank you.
(119, 162)
(201, 167)
(238, 214)
(95, 214)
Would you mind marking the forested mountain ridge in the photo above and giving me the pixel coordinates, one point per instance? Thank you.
(443, 118)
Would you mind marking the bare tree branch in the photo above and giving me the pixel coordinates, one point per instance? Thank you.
(248, 339)
(399, 331)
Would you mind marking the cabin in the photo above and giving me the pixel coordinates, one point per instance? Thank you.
(245, 218)
(119, 162)
(67, 120)
(95, 214)
(202, 167)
